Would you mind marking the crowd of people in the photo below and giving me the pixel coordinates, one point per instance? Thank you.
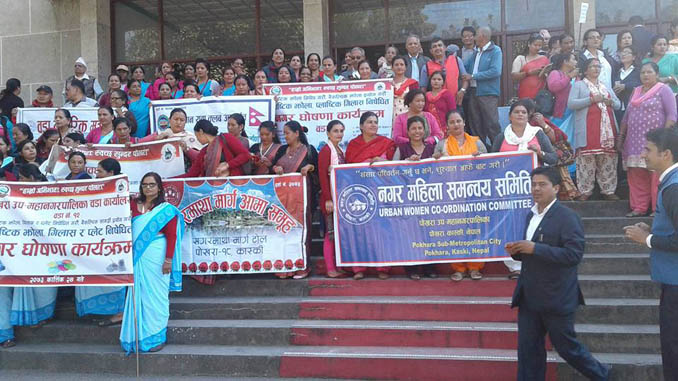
(579, 111)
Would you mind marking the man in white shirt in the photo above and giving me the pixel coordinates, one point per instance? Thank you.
(415, 60)
(547, 294)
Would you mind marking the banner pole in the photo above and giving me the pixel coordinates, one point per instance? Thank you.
(136, 327)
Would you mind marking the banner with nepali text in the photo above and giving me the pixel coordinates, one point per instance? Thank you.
(72, 233)
(456, 209)
(254, 109)
(164, 157)
(241, 225)
(39, 119)
(314, 105)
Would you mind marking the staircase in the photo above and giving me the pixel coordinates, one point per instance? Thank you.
(398, 329)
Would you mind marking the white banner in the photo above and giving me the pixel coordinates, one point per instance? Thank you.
(66, 233)
(39, 119)
(163, 156)
(314, 105)
(255, 109)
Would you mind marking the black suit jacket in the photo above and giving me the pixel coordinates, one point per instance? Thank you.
(421, 61)
(548, 280)
(631, 81)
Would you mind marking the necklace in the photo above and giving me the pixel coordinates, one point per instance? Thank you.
(261, 152)
(290, 154)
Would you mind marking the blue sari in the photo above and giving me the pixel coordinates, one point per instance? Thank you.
(99, 300)
(31, 305)
(6, 330)
(140, 111)
(151, 285)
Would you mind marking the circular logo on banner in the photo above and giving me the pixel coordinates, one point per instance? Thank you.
(163, 122)
(121, 185)
(4, 191)
(380, 86)
(276, 90)
(171, 194)
(357, 204)
(167, 153)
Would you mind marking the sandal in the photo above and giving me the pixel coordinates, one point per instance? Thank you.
(283, 275)
(432, 275)
(457, 276)
(157, 348)
(415, 276)
(337, 274)
(8, 343)
(301, 274)
(633, 213)
(476, 275)
(108, 323)
(359, 275)
(514, 275)
(382, 276)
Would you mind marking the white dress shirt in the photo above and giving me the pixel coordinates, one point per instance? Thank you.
(536, 219)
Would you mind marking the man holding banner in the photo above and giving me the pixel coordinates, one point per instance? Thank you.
(547, 292)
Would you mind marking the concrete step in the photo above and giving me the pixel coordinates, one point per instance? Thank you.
(599, 208)
(612, 243)
(615, 264)
(393, 363)
(610, 225)
(597, 337)
(488, 309)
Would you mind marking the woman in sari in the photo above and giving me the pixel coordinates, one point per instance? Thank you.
(329, 73)
(157, 230)
(242, 85)
(299, 156)
(104, 133)
(46, 141)
(305, 74)
(527, 68)
(286, 75)
(206, 86)
(236, 127)
(416, 149)
(7, 163)
(415, 101)
(139, 74)
(313, 62)
(330, 155)
(62, 122)
(31, 306)
(439, 100)
(667, 63)
(139, 106)
(369, 147)
(521, 136)
(102, 300)
(594, 133)
(223, 154)
(76, 164)
(123, 132)
(460, 143)
(259, 80)
(120, 104)
(559, 83)
(296, 65)
(188, 75)
(277, 60)
(652, 106)
(401, 85)
(264, 152)
(165, 91)
(28, 154)
(114, 83)
(229, 81)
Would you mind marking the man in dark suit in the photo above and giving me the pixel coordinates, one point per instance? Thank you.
(547, 292)
(415, 59)
(641, 37)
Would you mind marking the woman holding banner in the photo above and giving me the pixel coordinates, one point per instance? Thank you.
(62, 122)
(46, 141)
(460, 143)
(330, 155)
(299, 156)
(415, 100)
(157, 230)
(101, 300)
(76, 164)
(521, 136)
(31, 306)
(264, 152)
(369, 147)
(414, 150)
(104, 133)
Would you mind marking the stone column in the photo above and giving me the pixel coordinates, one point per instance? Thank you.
(95, 38)
(316, 27)
(574, 27)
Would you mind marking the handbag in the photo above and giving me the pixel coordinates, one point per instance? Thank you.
(545, 102)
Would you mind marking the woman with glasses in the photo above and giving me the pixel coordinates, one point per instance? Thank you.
(595, 132)
(119, 103)
(592, 48)
(157, 230)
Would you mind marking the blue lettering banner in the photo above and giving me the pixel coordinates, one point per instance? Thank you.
(457, 209)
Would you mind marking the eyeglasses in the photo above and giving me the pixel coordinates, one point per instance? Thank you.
(149, 185)
(116, 98)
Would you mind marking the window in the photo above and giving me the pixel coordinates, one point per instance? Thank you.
(440, 18)
(358, 22)
(534, 14)
(609, 12)
(137, 34)
(669, 10)
(282, 26)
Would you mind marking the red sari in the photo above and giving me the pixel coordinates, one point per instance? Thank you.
(531, 84)
(439, 105)
(359, 151)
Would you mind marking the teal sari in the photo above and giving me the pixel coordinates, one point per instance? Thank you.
(99, 300)
(31, 305)
(152, 287)
(6, 330)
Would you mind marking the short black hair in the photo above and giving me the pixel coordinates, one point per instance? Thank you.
(78, 83)
(665, 139)
(550, 172)
(636, 20)
(468, 29)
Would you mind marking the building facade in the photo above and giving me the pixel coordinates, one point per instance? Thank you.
(40, 39)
